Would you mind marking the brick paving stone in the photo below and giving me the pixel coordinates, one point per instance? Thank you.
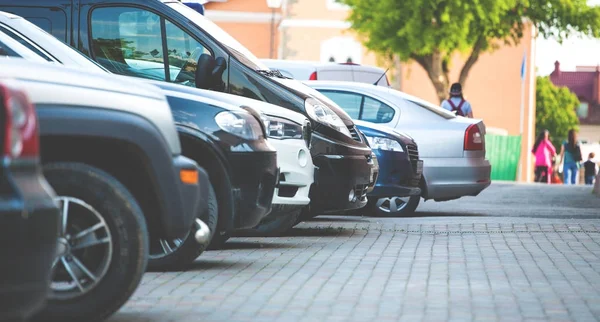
(362, 269)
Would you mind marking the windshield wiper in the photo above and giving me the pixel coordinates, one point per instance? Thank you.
(272, 73)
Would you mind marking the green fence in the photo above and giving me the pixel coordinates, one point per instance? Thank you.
(504, 152)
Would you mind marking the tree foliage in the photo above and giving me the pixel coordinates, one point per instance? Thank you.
(431, 31)
(555, 110)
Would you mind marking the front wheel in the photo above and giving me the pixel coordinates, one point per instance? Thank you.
(393, 206)
(103, 244)
(180, 253)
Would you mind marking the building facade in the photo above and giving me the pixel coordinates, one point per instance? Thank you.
(317, 30)
(585, 83)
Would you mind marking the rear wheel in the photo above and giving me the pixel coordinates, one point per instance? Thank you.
(180, 253)
(103, 244)
(393, 206)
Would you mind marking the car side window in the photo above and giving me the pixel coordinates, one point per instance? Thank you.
(6, 51)
(376, 111)
(350, 102)
(24, 42)
(184, 52)
(129, 41)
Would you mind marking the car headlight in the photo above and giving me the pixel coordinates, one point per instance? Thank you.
(280, 128)
(385, 144)
(323, 114)
(242, 125)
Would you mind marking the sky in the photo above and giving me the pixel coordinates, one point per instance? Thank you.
(575, 51)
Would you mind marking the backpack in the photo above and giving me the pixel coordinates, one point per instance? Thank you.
(458, 108)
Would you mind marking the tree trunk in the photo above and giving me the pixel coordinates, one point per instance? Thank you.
(473, 57)
(437, 70)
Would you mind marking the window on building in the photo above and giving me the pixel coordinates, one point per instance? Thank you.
(582, 110)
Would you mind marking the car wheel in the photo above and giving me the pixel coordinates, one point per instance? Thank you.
(180, 253)
(103, 244)
(394, 206)
(286, 217)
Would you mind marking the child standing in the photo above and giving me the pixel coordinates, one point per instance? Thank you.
(590, 169)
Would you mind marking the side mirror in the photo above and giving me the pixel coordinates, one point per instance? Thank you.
(209, 72)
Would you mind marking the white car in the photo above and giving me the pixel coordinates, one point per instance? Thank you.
(284, 129)
(452, 147)
(309, 70)
(293, 156)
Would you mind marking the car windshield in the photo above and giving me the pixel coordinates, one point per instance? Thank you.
(237, 50)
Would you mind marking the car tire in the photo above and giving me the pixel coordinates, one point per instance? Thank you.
(183, 252)
(90, 194)
(380, 207)
(287, 217)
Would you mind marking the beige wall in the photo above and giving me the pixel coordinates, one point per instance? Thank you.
(493, 86)
(591, 133)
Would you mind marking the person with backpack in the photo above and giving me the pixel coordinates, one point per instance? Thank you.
(544, 151)
(570, 153)
(457, 103)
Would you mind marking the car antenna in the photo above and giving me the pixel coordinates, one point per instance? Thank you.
(380, 77)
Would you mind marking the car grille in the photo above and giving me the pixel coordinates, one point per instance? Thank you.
(413, 155)
(307, 133)
(354, 133)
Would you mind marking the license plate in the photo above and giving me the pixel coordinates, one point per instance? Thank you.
(420, 166)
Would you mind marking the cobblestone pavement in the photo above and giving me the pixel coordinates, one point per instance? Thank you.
(390, 269)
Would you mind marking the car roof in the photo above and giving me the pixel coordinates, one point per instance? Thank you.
(308, 63)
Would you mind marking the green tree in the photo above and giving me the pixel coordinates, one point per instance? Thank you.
(430, 32)
(555, 110)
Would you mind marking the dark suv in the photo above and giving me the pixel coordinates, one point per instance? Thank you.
(171, 42)
(29, 217)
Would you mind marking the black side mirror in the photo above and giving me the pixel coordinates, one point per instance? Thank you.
(209, 72)
(206, 63)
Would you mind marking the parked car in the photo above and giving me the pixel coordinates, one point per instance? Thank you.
(451, 147)
(314, 70)
(397, 191)
(233, 187)
(29, 216)
(114, 159)
(210, 59)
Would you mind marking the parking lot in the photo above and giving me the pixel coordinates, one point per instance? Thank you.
(516, 252)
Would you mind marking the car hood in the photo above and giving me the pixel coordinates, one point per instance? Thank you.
(372, 129)
(229, 100)
(305, 92)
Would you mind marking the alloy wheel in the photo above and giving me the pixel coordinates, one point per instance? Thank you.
(85, 249)
(392, 204)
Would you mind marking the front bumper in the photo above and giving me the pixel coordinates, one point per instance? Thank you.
(452, 178)
(30, 221)
(296, 172)
(398, 175)
(340, 175)
(254, 177)
(192, 198)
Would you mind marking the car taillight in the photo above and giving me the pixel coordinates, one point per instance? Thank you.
(313, 76)
(473, 138)
(21, 132)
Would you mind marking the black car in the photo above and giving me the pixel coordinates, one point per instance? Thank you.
(397, 191)
(29, 216)
(138, 38)
(226, 140)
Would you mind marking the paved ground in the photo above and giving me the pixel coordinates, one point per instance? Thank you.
(510, 254)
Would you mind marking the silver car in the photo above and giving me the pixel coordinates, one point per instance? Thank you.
(452, 147)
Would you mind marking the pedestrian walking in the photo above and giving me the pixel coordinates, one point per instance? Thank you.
(570, 153)
(457, 103)
(590, 170)
(544, 151)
